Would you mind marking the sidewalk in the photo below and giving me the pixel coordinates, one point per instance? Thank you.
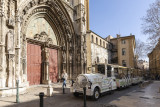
(32, 94)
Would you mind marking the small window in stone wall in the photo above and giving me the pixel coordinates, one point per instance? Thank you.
(96, 40)
(92, 39)
(100, 42)
(123, 42)
(123, 51)
(123, 63)
(103, 44)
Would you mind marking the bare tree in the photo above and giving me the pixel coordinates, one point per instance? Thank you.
(140, 49)
(151, 24)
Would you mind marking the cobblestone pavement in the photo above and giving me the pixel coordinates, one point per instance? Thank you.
(129, 97)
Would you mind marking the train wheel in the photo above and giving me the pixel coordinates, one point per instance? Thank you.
(96, 94)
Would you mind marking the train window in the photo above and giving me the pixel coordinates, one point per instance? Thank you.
(101, 69)
(109, 68)
(116, 72)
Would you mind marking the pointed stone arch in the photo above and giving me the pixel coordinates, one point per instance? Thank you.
(58, 18)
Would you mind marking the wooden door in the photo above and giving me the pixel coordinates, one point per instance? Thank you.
(33, 64)
(53, 70)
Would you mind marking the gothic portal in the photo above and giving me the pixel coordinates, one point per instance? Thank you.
(39, 39)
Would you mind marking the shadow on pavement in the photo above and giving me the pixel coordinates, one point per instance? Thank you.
(68, 100)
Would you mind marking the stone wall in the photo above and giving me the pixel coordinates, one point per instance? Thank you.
(98, 53)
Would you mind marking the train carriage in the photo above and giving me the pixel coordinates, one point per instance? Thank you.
(105, 78)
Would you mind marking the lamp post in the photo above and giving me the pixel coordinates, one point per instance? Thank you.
(17, 95)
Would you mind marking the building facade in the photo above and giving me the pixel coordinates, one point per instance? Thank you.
(97, 50)
(123, 50)
(154, 60)
(41, 38)
(143, 66)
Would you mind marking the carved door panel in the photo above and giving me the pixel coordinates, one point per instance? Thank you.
(53, 70)
(33, 64)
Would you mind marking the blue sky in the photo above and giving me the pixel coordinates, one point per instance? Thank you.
(111, 17)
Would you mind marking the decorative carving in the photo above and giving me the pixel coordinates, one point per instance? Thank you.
(83, 17)
(11, 14)
(24, 37)
(49, 2)
(18, 18)
(25, 10)
(70, 58)
(10, 42)
(30, 5)
(11, 23)
(2, 8)
(43, 37)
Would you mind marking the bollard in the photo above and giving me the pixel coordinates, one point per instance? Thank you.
(41, 95)
(63, 89)
(84, 96)
(17, 94)
(49, 91)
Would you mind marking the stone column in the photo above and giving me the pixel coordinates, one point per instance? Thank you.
(64, 59)
(2, 46)
(10, 71)
(17, 49)
(70, 66)
(59, 63)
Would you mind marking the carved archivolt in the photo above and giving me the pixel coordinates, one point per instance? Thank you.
(54, 7)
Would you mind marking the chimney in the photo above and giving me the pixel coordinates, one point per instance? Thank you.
(118, 35)
(109, 38)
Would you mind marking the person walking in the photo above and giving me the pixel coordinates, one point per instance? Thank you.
(64, 78)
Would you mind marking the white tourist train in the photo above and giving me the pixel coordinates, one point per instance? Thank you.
(106, 78)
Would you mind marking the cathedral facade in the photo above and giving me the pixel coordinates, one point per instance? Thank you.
(41, 38)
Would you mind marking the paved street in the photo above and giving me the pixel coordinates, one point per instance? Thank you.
(129, 97)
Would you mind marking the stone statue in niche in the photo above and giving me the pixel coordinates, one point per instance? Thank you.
(10, 42)
(70, 58)
(64, 57)
(46, 54)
